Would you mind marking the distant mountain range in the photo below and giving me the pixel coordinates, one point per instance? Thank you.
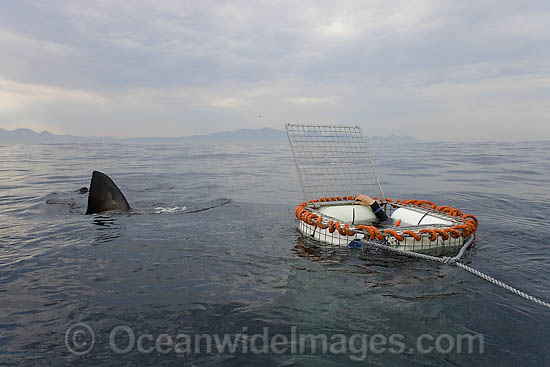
(28, 136)
(264, 135)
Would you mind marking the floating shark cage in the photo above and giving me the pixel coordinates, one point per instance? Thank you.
(334, 165)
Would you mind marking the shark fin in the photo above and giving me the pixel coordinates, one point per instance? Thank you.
(105, 195)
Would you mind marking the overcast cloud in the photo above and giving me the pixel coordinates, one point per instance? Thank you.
(450, 70)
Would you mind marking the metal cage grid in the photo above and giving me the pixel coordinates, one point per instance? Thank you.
(332, 161)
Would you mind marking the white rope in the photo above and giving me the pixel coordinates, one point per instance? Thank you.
(502, 285)
(454, 261)
(407, 253)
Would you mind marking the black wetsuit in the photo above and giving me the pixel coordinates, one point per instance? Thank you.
(384, 220)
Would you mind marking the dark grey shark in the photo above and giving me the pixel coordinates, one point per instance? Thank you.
(105, 195)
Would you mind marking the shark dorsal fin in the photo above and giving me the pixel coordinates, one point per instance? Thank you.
(105, 195)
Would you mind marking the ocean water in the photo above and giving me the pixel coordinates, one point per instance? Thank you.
(211, 249)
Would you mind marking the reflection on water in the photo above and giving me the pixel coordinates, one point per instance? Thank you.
(108, 228)
(307, 248)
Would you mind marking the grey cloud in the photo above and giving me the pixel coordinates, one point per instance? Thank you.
(131, 43)
(206, 61)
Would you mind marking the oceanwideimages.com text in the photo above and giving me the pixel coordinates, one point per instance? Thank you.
(80, 339)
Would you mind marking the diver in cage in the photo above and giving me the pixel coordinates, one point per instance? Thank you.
(366, 200)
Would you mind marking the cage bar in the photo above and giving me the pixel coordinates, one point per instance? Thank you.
(332, 161)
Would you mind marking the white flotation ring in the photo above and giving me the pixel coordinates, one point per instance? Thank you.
(354, 214)
(419, 226)
(417, 217)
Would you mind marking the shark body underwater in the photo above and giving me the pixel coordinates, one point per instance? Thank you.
(105, 195)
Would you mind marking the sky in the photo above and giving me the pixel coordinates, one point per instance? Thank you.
(433, 70)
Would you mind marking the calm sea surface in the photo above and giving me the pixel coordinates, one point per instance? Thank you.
(239, 267)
